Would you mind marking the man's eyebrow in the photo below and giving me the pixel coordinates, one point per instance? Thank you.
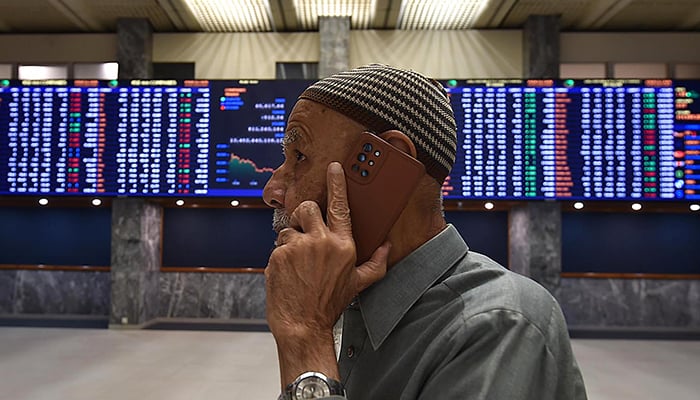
(292, 136)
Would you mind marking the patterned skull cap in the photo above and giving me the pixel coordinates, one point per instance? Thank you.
(383, 98)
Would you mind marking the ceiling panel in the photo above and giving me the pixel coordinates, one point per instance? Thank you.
(102, 15)
(653, 15)
(22, 16)
(42, 16)
(361, 12)
(570, 11)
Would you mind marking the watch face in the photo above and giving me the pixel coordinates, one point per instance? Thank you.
(312, 387)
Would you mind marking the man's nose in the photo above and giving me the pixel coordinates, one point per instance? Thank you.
(273, 193)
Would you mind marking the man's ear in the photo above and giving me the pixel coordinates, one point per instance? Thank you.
(399, 140)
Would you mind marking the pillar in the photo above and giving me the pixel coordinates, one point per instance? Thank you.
(136, 223)
(541, 47)
(335, 45)
(134, 48)
(534, 229)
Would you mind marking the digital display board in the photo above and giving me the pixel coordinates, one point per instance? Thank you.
(517, 139)
(142, 138)
(546, 139)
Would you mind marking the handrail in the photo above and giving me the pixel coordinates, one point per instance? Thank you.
(261, 270)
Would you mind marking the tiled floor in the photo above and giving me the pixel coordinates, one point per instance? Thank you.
(74, 364)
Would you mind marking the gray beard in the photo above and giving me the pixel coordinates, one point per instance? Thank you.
(280, 220)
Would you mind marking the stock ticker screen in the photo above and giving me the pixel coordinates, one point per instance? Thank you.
(517, 139)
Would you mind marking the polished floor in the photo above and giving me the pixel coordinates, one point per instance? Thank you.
(75, 364)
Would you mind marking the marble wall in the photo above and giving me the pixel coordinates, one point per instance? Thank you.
(180, 295)
(587, 303)
(602, 303)
(212, 295)
(54, 292)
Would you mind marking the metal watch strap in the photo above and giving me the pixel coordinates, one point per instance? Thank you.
(335, 387)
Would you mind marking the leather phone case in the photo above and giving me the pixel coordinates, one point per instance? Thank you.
(380, 180)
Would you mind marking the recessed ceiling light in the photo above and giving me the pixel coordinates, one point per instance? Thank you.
(43, 201)
(636, 206)
(361, 12)
(235, 203)
(96, 202)
(180, 202)
(694, 207)
(488, 205)
(232, 16)
(578, 205)
(440, 14)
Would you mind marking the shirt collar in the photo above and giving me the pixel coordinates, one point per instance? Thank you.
(387, 301)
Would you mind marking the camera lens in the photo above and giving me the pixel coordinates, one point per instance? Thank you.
(364, 173)
(367, 147)
(361, 157)
(355, 167)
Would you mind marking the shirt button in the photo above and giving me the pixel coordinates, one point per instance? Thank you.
(351, 351)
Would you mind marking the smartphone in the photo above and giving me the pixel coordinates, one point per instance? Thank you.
(380, 180)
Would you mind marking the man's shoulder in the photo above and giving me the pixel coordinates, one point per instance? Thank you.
(484, 286)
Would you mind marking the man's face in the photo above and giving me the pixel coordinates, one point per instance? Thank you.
(315, 137)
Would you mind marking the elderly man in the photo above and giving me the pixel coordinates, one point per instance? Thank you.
(424, 317)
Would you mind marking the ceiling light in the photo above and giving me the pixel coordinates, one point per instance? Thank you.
(440, 14)
(578, 205)
(361, 12)
(235, 203)
(43, 201)
(636, 206)
(488, 205)
(232, 16)
(96, 202)
(694, 207)
(180, 203)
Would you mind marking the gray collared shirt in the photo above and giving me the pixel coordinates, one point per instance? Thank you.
(447, 323)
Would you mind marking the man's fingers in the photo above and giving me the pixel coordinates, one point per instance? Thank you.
(338, 213)
(285, 236)
(307, 217)
(374, 269)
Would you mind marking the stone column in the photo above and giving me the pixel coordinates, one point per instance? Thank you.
(136, 223)
(134, 48)
(137, 230)
(534, 229)
(534, 242)
(335, 45)
(541, 47)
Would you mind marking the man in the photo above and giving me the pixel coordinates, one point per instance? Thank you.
(424, 318)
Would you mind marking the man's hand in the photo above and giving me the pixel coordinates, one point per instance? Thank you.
(311, 277)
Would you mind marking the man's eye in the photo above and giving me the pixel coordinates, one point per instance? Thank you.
(299, 156)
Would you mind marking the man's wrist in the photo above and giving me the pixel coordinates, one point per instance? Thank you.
(307, 352)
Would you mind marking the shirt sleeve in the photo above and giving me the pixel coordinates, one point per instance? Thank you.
(500, 354)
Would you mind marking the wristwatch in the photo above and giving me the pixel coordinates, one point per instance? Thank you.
(312, 385)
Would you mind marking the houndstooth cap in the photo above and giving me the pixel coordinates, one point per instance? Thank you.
(383, 98)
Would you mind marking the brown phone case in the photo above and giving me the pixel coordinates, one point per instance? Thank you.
(380, 180)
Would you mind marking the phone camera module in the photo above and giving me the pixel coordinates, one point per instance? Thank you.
(367, 147)
(361, 157)
(364, 173)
